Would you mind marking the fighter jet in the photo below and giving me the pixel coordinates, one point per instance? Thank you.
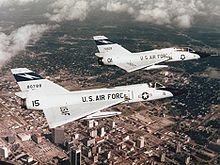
(61, 106)
(111, 53)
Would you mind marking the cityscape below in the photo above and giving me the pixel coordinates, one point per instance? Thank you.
(183, 129)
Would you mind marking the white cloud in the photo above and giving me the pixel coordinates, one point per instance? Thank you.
(172, 12)
(155, 15)
(5, 3)
(17, 41)
(179, 13)
(68, 10)
(117, 6)
(183, 21)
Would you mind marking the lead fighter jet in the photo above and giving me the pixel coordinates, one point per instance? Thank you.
(61, 106)
(111, 53)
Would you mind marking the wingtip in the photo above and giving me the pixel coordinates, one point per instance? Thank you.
(99, 37)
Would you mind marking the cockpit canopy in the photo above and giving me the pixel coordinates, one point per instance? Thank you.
(184, 49)
(156, 85)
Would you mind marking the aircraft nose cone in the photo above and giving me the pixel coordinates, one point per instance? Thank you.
(175, 91)
(202, 54)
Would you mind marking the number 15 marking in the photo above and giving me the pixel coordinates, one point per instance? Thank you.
(35, 103)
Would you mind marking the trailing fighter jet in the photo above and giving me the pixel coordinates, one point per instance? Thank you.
(111, 53)
(61, 106)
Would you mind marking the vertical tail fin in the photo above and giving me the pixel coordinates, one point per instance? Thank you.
(103, 43)
(106, 46)
(28, 80)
